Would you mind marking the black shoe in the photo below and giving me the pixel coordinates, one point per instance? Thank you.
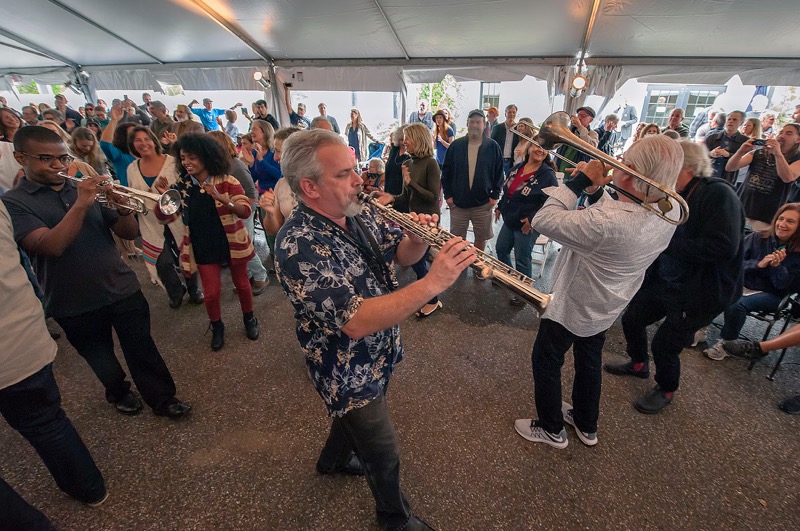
(174, 409)
(129, 404)
(626, 369)
(217, 335)
(55, 335)
(791, 405)
(351, 468)
(743, 348)
(176, 301)
(652, 402)
(415, 524)
(251, 326)
(197, 297)
(516, 301)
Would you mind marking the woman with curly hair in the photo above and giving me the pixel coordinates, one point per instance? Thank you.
(213, 208)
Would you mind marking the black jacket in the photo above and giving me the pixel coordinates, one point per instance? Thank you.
(703, 263)
(488, 179)
(499, 132)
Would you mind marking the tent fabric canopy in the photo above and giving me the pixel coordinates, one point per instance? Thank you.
(385, 44)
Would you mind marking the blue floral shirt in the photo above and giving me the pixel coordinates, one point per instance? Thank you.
(327, 278)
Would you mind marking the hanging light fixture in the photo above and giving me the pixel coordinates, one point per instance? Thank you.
(260, 78)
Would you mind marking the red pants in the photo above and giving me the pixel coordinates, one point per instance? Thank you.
(211, 276)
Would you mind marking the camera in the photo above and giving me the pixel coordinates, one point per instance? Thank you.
(759, 142)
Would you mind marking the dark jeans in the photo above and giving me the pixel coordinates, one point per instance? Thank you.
(521, 243)
(552, 343)
(421, 269)
(90, 334)
(507, 164)
(18, 515)
(681, 320)
(369, 432)
(173, 278)
(33, 408)
(736, 314)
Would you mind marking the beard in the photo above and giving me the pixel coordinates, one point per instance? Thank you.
(353, 209)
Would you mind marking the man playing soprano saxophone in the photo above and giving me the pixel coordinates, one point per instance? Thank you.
(332, 257)
(607, 248)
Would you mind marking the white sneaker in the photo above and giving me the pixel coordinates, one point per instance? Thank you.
(530, 430)
(700, 336)
(589, 439)
(716, 352)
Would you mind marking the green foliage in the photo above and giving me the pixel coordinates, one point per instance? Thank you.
(441, 95)
(57, 89)
(786, 106)
(30, 88)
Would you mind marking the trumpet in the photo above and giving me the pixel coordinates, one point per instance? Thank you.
(555, 130)
(489, 266)
(132, 199)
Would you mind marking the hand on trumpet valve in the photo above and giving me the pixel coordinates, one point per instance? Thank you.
(87, 190)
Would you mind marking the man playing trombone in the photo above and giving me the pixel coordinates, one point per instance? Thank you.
(607, 248)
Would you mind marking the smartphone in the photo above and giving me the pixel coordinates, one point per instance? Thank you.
(124, 97)
(760, 142)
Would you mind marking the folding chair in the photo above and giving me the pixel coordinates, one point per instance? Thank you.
(787, 309)
(540, 248)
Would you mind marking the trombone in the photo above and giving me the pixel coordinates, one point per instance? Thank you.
(132, 199)
(555, 130)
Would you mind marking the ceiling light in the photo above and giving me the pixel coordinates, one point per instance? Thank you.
(579, 82)
(258, 75)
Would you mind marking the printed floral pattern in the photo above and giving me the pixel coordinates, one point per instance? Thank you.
(327, 278)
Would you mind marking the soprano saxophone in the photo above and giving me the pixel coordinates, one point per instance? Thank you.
(489, 266)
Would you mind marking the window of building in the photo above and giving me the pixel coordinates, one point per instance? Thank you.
(662, 99)
(490, 95)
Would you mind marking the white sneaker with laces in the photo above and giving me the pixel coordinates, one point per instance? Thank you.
(589, 439)
(530, 430)
(716, 352)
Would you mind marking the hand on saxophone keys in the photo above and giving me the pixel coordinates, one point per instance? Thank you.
(454, 257)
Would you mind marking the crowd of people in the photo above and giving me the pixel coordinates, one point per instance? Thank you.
(334, 254)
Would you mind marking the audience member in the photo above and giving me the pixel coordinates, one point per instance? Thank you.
(85, 147)
(395, 159)
(278, 203)
(607, 134)
(472, 179)
(10, 122)
(505, 139)
(522, 198)
(443, 135)
(579, 127)
(208, 114)
(773, 169)
(676, 122)
(771, 271)
(262, 113)
(357, 134)
(694, 279)
(492, 114)
(213, 208)
(323, 112)
(725, 143)
(422, 116)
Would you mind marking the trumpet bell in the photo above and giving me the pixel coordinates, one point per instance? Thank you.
(169, 202)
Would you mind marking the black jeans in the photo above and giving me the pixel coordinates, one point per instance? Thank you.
(170, 273)
(552, 343)
(90, 334)
(33, 408)
(18, 515)
(681, 320)
(369, 432)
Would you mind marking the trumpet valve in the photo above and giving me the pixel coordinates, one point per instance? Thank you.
(486, 271)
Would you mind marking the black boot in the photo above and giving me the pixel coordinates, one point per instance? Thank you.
(217, 335)
(195, 294)
(251, 326)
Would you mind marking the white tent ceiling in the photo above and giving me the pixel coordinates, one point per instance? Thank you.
(381, 44)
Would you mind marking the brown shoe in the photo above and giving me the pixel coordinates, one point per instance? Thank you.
(260, 286)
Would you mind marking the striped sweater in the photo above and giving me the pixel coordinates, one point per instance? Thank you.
(241, 247)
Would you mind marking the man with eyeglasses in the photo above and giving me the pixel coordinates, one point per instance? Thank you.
(61, 226)
(579, 126)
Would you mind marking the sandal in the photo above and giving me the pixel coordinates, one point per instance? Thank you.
(421, 315)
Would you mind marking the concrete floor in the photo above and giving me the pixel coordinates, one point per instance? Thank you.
(722, 456)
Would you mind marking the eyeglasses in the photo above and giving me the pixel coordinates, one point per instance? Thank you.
(48, 159)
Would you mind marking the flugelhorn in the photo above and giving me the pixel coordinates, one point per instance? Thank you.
(132, 199)
(489, 266)
(555, 130)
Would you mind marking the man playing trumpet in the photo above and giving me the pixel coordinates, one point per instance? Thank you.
(607, 248)
(60, 225)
